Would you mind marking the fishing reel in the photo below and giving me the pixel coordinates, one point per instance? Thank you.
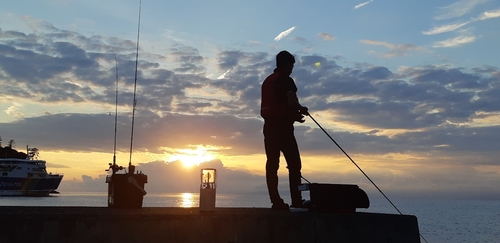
(114, 167)
(299, 114)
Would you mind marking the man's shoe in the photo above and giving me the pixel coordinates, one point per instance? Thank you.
(280, 206)
(302, 204)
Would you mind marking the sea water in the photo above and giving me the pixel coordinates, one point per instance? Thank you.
(440, 221)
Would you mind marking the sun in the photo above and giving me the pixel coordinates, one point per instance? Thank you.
(191, 157)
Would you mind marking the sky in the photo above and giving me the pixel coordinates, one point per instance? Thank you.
(408, 89)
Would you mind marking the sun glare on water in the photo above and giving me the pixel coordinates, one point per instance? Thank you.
(191, 157)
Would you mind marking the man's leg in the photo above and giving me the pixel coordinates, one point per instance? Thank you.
(271, 144)
(292, 156)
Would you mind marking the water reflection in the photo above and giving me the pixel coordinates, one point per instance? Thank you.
(187, 200)
(99, 199)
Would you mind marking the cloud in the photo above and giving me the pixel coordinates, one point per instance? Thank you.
(284, 34)
(14, 110)
(444, 181)
(463, 38)
(452, 27)
(362, 4)
(52, 165)
(397, 50)
(489, 15)
(193, 109)
(174, 177)
(423, 113)
(326, 36)
(454, 42)
(403, 182)
(188, 58)
(300, 40)
(458, 9)
(445, 28)
(182, 179)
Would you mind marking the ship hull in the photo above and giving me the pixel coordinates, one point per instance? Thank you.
(12, 186)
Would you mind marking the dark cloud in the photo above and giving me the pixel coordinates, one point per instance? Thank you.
(371, 96)
(87, 132)
(454, 77)
(190, 107)
(231, 59)
(188, 58)
(428, 109)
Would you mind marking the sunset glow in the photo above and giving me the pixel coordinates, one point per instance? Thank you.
(191, 157)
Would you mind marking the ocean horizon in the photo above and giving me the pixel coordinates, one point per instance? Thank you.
(439, 220)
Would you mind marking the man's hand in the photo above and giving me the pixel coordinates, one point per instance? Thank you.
(304, 110)
(299, 118)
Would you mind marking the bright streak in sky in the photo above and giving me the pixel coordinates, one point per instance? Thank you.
(284, 34)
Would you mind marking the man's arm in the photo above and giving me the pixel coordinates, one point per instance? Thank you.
(293, 102)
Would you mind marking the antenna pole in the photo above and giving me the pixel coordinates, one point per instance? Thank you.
(135, 85)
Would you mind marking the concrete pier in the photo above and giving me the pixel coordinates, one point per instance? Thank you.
(224, 225)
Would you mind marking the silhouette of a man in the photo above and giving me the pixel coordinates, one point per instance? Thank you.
(280, 108)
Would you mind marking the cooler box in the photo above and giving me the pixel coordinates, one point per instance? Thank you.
(335, 197)
(126, 190)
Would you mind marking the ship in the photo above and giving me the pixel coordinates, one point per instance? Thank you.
(22, 174)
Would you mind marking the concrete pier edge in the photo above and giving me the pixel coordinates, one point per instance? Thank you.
(226, 225)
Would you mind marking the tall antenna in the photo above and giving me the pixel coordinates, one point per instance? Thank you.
(135, 86)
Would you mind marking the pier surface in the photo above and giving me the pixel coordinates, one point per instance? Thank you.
(224, 225)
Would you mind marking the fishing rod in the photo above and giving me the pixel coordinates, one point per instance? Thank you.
(116, 111)
(333, 140)
(135, 85)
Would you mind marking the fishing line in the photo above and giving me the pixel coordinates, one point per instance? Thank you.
(389, 200)
(305, 179)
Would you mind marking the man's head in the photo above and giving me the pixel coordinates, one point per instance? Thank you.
(285, 60)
